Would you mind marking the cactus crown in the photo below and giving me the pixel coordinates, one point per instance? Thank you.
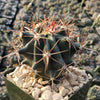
(48, 46)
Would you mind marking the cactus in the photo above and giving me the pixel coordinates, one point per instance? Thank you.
(48, 46)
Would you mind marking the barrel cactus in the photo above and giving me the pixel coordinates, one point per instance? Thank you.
(48, 46)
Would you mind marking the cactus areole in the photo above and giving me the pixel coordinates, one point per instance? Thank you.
(47, 47)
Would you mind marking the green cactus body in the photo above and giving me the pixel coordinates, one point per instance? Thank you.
(49, 53)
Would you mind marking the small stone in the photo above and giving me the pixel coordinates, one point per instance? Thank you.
(40, 99)
(57, 96)
(74, 83)
(88, 29)
(81, 15)
(30, 89)
(89, 76)
(65, 83)
(63, 91)
(80, 79)
(98, 59)
(4, 27)
(44, 82)
(97, 48)
(73, 79)
(83, 74)
(86, 21)
(24, 69)
(34, 82)
(17, 25)
(75, 88)
(14, 73)
(95, 15)
(66, 97)
(26, 90)
(15, 79)
(38, 3)
(93, 10)
(77, 71)
(94, 38)
(4, 21)
(36, 93)
(89, 4)
(80, 85)
(10, 78)
(46, 88)
(98, 30)
(8, 13)
(38, 85)
(20, 80)
(47, 95)
(26, 85)
(40, 80)
(73, 76)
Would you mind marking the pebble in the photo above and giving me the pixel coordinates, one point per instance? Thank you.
(26, 85)
(36, 93)
(57, 96)
(24, 2)
(10, 78)
(44, 82)
(88, 29)
(94, 38)
(77, 71)
(73, 79)
(95, 15)
(63, 91)
(89, 76)
(56, 87)
(83, 74)
(17, 25)
(80, 85)
(98, 30)
(74, 83)
(98, 59)
(4, 27)
(66, 98)
(75, 88)
(81, 15)
(40, 99)
(8, 13)
(86, 21)
(5, 21)
(38, 85)
(93, 10)
(26, 90)
(65, 83)
(80, 79)
(46, 88)
(89, 4)
(47, 95)
(15, 79)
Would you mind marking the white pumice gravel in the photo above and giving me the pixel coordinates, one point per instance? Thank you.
(73, 79)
